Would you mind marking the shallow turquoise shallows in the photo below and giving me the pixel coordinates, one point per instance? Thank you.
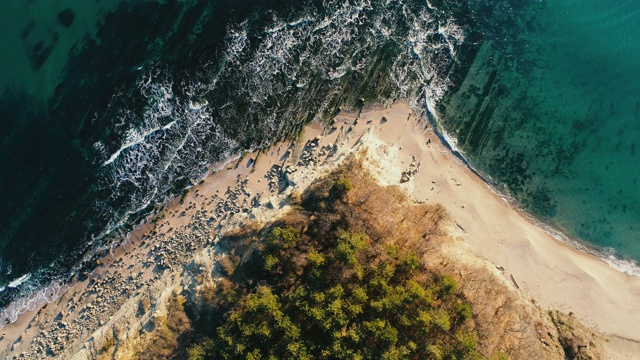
(554, 113)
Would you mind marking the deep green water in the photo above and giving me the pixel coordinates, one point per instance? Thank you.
(110, 107)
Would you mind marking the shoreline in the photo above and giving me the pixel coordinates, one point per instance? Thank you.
(173, 246)
(609, 255)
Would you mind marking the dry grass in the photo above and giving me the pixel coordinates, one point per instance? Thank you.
(161, 339)
(381, 212)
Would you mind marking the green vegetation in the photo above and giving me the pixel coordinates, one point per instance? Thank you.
(351, 301)
(328, 282)
(341, 187)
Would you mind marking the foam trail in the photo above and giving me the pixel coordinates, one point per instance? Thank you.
(35, 299)
(15, 283)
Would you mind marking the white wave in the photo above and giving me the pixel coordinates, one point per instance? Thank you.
(301, 20)
(236, 41)
(337, 73)
(17, 282)
(627, 266)
(607, 254)
(451, 141)
(323, 24)
(31, 301)
(452, 33)
(177, 137)
(161, 107)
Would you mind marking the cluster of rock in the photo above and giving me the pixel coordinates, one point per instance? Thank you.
(307, 157)
(312, 153)
(107, 291)
(236, 200)
(411, 171)
(276, 178)
(279, 177)
(102, 297)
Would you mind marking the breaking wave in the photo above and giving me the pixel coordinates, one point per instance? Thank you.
(32, 295)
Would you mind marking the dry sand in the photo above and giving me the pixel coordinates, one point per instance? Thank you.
(129, 288)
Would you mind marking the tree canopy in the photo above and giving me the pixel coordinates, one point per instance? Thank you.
(322, 288)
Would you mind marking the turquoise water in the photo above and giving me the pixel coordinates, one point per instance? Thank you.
(553, 117)
(37, 43)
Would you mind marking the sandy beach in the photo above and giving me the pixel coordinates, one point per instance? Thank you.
(168, 253)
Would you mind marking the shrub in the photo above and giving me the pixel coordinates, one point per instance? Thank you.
(285, 238)
(462, 310)
(341, 187)
(270, 261)
(448, 285)
(348, 246)
(411, 261)
(467, 342)
(442, 321)
(315, 258)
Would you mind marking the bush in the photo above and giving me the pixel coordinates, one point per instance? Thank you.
(341, 187)
(285, 238)
(411, 261)
(462, 310)
(448, 285)
(467, 343)
(348, 246)
(270, 261)
(315, 258)
(441, 320)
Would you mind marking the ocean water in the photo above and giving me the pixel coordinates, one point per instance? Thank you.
(111, 107)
